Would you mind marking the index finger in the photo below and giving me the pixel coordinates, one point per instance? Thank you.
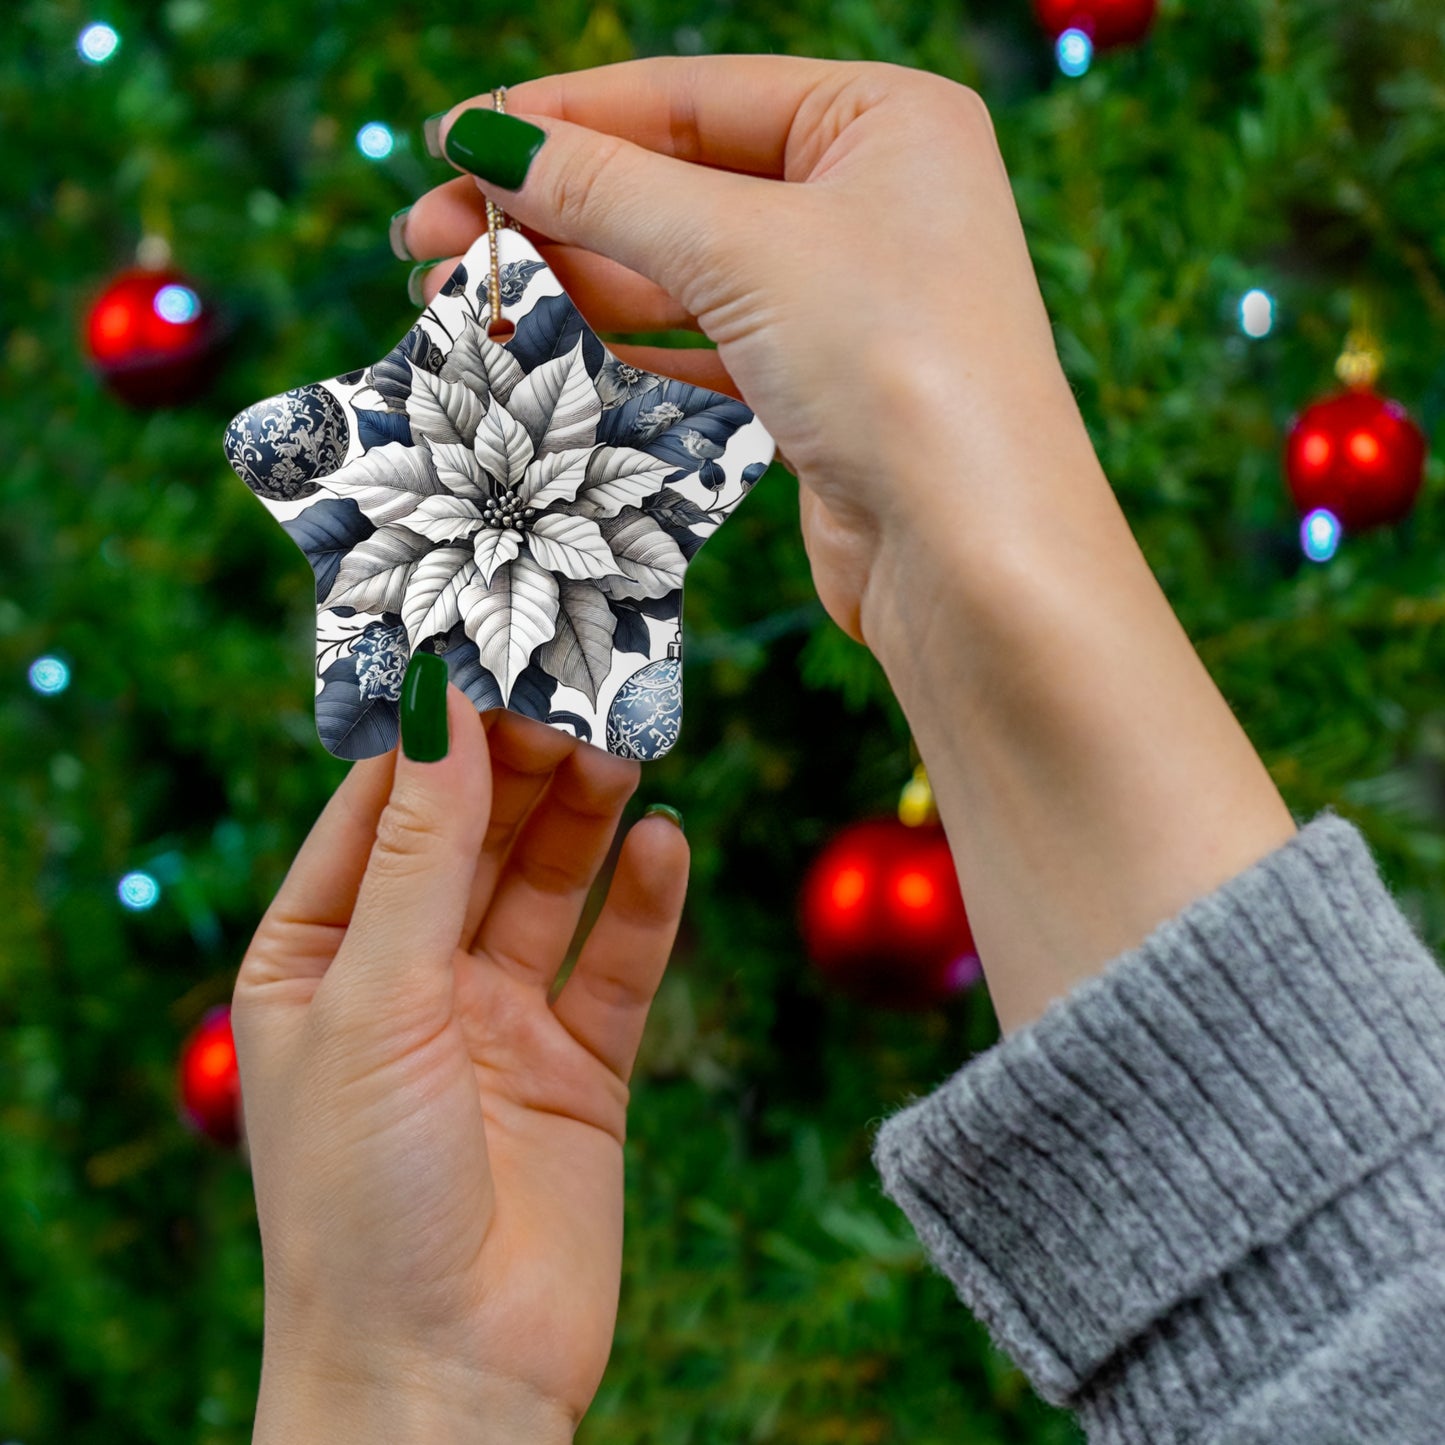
(733, 112)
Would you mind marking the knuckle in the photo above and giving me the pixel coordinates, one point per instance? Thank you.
(406, 831)
(574, 188)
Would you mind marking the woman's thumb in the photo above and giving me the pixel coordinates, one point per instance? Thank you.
(407, 923)
(664, 218)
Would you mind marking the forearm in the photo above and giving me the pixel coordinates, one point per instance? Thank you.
(1092, 779)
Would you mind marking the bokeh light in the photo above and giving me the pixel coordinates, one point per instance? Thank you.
(1075, 52)
(1256, 313)
(49, 675)
(375, 140)
(177, 304)
(97, 43)
(1320, 535)
(138, 891)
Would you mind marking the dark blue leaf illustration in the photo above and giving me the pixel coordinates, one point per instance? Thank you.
(551, 329)
(663, 609)
(579, 725)
(349, 725)
(631, 634)
(350, 378)
(326, 531)
(676, 422)
(464, 663)
(677, 515)
(532, 693)
(376, 428)
(391, 376)
(513, 279)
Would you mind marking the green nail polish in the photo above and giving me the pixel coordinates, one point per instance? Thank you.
(431, 133)
(671, 814)
(424, 708)
(396, 234)
(414, 293)
(498, 148)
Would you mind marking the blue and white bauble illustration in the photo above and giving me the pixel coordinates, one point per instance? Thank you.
(280, 447)
(646, 714)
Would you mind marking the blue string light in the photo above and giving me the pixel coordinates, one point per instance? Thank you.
(1320, 534)
(97, 43)
(138, 891)
(1075, 53)
(375, 140)
(1256, 313)
(49, 675)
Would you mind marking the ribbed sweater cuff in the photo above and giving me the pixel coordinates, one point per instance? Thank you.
(1180, 1155)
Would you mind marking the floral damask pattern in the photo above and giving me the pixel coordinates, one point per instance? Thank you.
(527, 509)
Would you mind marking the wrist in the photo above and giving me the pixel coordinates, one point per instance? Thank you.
(1092, 779)
(987, 504)
(386, 1402)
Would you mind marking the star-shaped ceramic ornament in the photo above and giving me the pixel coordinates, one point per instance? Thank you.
(525, 508)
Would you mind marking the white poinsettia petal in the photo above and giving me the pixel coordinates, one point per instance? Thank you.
(502, 446)
(558, 404)
(445, 518)
(373, 575)
(650, 562)
(388, 481)
(620, 477)
(555, 477)
(443, 411)
(580, 654)
(430, 605)
(478, 362)
(456, 465)
(492, 547)
(572, 546)
(511, 618)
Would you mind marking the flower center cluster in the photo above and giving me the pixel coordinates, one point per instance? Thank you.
(508, 511)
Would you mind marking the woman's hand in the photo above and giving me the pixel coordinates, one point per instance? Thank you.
(879, 309)
(847, 234)
(437, 1147)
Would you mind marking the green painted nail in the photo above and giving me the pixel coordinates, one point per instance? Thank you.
(498, 148)
(414, 293)
(396, 233)
(431, 133)
(671, 814)
(424, 708)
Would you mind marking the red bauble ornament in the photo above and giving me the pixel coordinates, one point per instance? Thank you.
(152, 338)
(1106, 22)
(883, 918)
(210, 1082)
(1359, 456)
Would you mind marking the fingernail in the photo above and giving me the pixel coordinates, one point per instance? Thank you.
(671, 814)
(396, 233)
(498, 148)
(414, 293)
(424, 708)
(431, 132)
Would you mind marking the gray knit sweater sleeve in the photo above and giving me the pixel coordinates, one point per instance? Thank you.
(1201, 1200)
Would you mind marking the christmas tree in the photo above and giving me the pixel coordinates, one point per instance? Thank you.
(1212, 211)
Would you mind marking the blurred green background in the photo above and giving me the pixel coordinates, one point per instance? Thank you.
(771, 1292)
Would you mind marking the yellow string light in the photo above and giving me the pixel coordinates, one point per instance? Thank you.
(916, 806)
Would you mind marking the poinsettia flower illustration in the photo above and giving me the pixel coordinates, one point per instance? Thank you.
(505, 515)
